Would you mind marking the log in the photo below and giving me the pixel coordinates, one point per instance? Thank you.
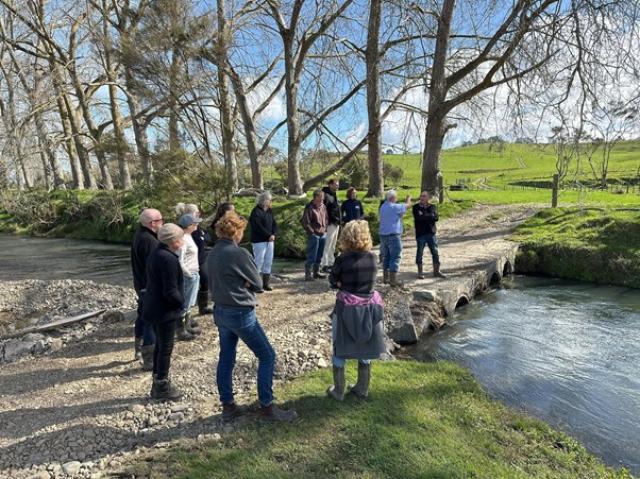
(54, 325)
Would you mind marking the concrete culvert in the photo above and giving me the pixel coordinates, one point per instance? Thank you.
(495, 280)
(462, 301)
(508, 269)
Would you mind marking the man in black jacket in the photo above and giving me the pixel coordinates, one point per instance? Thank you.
(333, 210)
(425, 216)
(144, 243)
(163, 305)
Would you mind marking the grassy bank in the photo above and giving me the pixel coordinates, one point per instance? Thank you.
(421, 421)
(113, 215)
(589, 244)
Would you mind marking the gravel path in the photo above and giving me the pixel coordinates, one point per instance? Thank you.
(82, 411)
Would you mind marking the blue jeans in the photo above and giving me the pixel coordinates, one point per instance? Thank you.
(432, 243)
(190, 290)
(141, 328)
(315, 249)
(234, 323)
(391, 251)
(263, 255)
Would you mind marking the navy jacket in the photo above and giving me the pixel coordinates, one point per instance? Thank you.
(425, 218)
(143, 244)
(332, 204)
(165, 283)
(352, 210)
(201, 238)
(263, 225)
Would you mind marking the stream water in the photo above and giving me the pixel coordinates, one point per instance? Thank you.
(567, 353)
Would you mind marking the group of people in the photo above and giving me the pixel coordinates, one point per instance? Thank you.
(173, 270)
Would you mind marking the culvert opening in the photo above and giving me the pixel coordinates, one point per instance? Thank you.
(508, 269)
(462, 301)
(495, 280)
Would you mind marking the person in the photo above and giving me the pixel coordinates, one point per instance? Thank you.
(163, 306)
(391, 213)
(315, 221)
(352, 208)
(187, 329)
(263, 236)
(144, 242)
(356, 319)
(333, 228)
(222, 209)
(202, 239)
(425, 216)
(234, 289)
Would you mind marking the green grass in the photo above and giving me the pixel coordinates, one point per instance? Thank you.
(591, 244)
(422, 420)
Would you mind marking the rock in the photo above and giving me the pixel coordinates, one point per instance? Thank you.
(322, 363)
(112, 316)
(399, 324)
(56, 345)
(33, 337)
(71, 468)
(176, 417)
(40, 475)
(39, 347)
(15, 348)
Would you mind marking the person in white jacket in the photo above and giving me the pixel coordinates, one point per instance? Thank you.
(187, 327)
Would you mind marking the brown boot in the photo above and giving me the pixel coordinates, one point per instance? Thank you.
(385, 276)
(273, 413)
(147, 357)
(308, 276)
(393, 280)
(316, 272)
(436, 271)
(420, 272)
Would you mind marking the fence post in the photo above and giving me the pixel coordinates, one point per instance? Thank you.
(440, 189)
(554, 193)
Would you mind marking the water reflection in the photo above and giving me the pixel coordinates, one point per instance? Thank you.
(565, 352)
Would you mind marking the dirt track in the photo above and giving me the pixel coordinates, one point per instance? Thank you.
(82, 411)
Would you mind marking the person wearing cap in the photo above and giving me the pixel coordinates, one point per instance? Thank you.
(391, 214)
(234, 281)
(163, 306)
(263, 236)
(144, 242)
(187, 330)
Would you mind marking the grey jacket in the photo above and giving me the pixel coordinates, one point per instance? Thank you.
(358, 331)
(234, 279)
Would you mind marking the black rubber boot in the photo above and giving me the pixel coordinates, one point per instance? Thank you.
(393, 280)
(163, 390)
(361, 388)
(273, 413)
(316, 272)
(436, 271)
(337, 390)
(420, 272)
(181, 332)
(385, 276)
(266, 278)
(147, 357)
(137, 348)
(203, 302)
(308, 276)
(191, 325)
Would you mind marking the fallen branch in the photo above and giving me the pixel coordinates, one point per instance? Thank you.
(54, 325)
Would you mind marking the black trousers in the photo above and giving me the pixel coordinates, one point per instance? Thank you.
(165, 339)
(204, 278)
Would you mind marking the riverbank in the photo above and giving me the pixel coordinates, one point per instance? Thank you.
(421, 420)
(112, 216)
(588, 244)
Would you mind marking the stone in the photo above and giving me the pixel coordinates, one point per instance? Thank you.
(176, 417)
(33, 337)
(322, 363)
(40, 475)
(72, 468)
(56, 345)
(15, 348)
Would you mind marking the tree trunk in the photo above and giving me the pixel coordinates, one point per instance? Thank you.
(46, 174)
(118, 130)
(436, 116)
(249, 130)
(294, 180)
(139, 130)
(174, 71)
(226, 115)
(374, 137)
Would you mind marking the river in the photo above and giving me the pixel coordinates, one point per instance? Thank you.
(567, 353)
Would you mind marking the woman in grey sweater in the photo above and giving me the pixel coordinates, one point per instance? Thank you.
(234, 281)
